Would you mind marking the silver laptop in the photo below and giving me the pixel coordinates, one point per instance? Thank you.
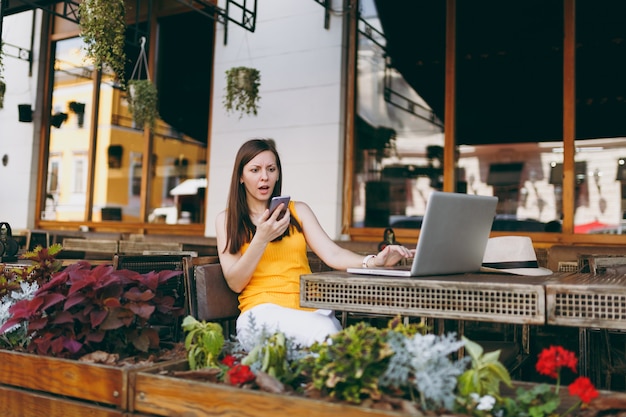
(452, 239)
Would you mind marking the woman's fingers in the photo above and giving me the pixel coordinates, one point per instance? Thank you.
(392, 254)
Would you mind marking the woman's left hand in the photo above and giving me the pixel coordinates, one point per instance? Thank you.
(392, 254)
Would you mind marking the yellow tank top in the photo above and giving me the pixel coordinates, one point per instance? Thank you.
(277, 276)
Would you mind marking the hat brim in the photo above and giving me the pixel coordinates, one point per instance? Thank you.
(535, 272)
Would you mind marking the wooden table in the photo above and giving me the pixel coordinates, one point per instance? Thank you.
(496, 298)
(566, 299)
(588, 302)
(482, 297)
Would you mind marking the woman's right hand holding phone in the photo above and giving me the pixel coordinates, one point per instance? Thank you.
(273, 225)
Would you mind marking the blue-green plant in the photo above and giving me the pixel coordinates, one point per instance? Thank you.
(16, 336)
(422, 366)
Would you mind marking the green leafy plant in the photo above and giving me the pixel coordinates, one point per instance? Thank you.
(271, 357)
(478, 387)
(400, 367)
(103, 27)
(143, 102)
(272, 354)
(204, 343)
(44, 264)
(242, 90)
(485, 374)
(349, 364)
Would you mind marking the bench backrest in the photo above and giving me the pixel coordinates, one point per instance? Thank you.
(210, 297)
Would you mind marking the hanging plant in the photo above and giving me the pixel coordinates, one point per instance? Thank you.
(3, 85)
(78, 109)
(103, 27)
(3, 89)
(142, 102)
(142, 93)
(242, 90)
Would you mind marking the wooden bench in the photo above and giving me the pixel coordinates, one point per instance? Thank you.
(139, 247)
(565, 258)
(90, 245)
(78, 248)
(209, 296)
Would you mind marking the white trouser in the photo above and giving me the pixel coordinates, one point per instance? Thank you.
(304, 327)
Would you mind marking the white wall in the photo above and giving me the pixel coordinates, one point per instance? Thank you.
(17, 140)
(300, 108)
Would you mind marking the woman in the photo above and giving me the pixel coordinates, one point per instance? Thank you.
(263, 255)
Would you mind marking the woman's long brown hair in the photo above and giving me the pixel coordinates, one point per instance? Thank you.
(239, 226)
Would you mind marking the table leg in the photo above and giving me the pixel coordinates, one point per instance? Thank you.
(583, 356)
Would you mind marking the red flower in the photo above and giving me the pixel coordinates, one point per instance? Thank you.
(229, 360)
(553, 359)
(583, 387)
(240, 374)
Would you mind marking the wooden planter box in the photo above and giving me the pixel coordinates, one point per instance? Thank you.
(162, 395)
(103, 384)
(19, 403)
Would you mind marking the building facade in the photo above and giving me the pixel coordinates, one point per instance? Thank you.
(369, 111)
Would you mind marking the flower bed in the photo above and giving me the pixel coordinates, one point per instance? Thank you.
(81, 332)
(157, 392)
(163, 395)
(83, 312)
(361, 371)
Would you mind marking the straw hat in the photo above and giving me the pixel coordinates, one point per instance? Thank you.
(512, 255)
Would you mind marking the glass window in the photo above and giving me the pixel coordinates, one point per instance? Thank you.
(80, 174)
(175, 172)
(399, 129)
(52, 195)
(510, 109)
(178, 180)
(508, 105)
(69, 141)
(600, 106)
(53, 176)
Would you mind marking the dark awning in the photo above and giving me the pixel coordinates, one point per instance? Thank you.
(18, 6)
(556, 173)
(505, 174)
(509, 65)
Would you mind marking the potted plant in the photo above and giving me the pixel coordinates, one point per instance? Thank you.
(102, 27)
(142, 102)
(3, 89)
(81, 331)
(78, 109)
(3, 85)
(142, 93)
(361, 370)
(242, 90)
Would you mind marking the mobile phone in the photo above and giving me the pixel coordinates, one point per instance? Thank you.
(276, 201)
